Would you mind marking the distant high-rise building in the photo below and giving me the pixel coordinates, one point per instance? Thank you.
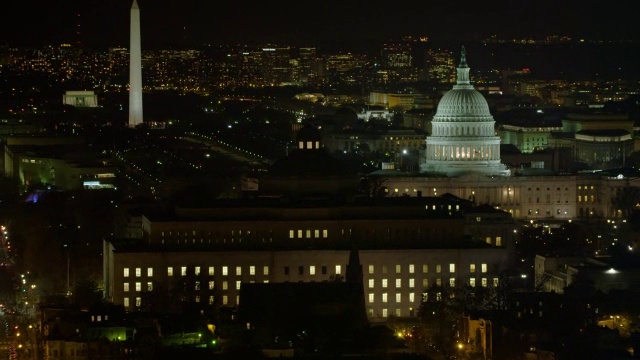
(397, 63)
(307, 70)
(135, 69)
(276, 65)
(440, 66)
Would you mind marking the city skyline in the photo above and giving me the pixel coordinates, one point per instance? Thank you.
(190, 23)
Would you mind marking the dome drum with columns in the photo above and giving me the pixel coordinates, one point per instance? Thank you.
(463, 137)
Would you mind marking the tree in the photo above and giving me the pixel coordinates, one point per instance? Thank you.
(374, 186)
(87, 294)
(439, 314)
(626, 199)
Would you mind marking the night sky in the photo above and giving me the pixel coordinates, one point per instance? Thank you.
(192, 22)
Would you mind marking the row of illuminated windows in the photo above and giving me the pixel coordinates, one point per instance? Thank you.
(312, 269)
(197, 285)
(198, 270)
(137, 301)
(484, 282)
(587, 198)
(411, 268)
(385, 312)
(307, 234)
(385, 297)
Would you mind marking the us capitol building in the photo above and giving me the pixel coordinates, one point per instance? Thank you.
(463, 159)
(456, 227)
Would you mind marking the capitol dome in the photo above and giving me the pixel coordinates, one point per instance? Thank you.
(463, 138)
(462, 103)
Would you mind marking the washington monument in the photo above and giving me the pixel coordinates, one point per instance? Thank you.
(135, 69)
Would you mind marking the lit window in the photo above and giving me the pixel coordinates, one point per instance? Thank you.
(384, 297)
(299, 234)
(291, 234)
(472, 268)
(325, 234)
(211, 284)
(398, 283)
(371, 298)
(138, 286)
(472, 282)
(484, 282)
(371, 283)
(412, 297)
(126, 302)
(225, 300)
(488, 240)
(252, 270)
(452, 282)
(425, 268)
(197, 286)
(138, 301)
(238, 284)
(498, 240)
(210, 299)
(150, 272)
(225, 285)
(384, 283)
(149, 286)
(398, 298)
(126, 287)
(138, 272)
(412, 269)
(238, 270)
(126, 272)
(398, 269)
(438, 269)
(495, 282)
(484, 268)
(438, 282)
(265, 270)
(312, 270)
(338, 269)
(425, 283)
(316, 233)
(225, 270)
(211, 271)
(370, 269)
(412, 283)
(183, 271)
(197, 298)
(308, 234)
(452, 268)
(385, 313)
(197, 270)
(170, 271)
